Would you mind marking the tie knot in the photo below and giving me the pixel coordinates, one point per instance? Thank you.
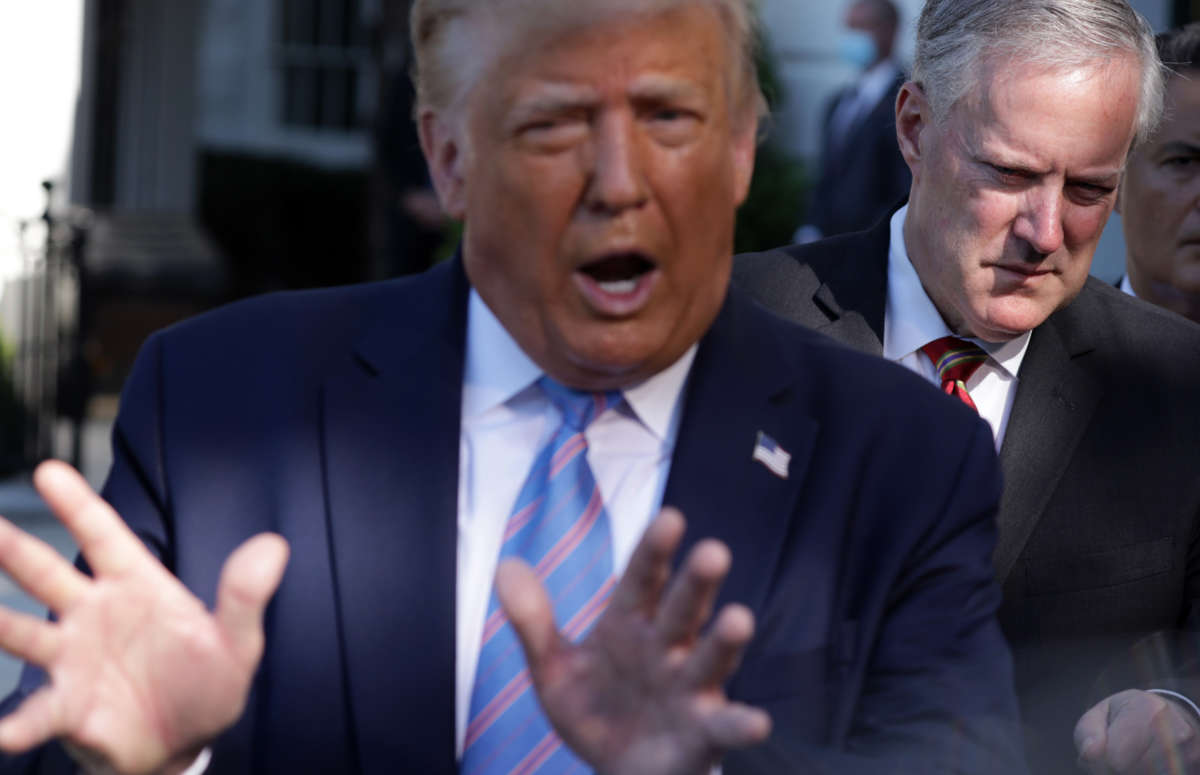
(578, 407)
(954, 359)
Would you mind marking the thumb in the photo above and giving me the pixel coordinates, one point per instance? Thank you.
(248, 580)
(1091, 735)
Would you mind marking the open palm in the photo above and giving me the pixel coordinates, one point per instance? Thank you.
(142, 675)
(644, 692)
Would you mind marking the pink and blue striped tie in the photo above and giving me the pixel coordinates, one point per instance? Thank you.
(560, 527)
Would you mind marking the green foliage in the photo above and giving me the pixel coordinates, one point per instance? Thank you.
(452, 232)
(12, 417)
(775, 205)
(779, 189)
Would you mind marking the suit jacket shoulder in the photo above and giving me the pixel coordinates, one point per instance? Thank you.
(837, 285)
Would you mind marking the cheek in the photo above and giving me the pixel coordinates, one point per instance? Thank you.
(1082, 226)
(689, 181)
(982, 229)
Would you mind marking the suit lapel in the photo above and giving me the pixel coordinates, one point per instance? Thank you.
(1054, 402)
(853, 273)
(391, 418)
(741, 383)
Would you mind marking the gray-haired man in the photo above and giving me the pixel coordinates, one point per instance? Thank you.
(1016, 125)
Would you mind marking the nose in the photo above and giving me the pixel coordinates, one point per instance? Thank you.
(1040, 221)
(617, 181)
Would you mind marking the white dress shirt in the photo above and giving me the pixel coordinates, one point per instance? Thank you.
(506, 419)
(911, 321)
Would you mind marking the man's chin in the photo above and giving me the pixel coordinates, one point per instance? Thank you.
(609, 368)
(1002, 329)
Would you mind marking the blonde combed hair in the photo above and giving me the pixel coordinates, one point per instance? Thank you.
(446, 62)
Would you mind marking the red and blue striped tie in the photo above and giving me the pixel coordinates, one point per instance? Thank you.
(560, 527)
(955, 361)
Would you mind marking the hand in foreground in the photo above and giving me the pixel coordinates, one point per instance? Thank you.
(1134, 732)
(643, 692)
(142, 676)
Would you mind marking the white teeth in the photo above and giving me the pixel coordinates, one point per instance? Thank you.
(618, 287)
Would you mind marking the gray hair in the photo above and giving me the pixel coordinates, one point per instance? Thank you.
(955, 38)
(442, 78)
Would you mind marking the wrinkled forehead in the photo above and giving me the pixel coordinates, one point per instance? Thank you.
(485, 32)
(1000, 72)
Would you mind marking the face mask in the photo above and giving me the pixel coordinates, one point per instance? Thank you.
(857, 48)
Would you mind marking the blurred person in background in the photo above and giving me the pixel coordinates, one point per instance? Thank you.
(1160, 193)
(863, 175)
(1017, 126)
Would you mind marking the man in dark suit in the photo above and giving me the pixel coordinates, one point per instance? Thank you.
(1160, 192)
(597, 153)
(1091, 395)
(862, 173)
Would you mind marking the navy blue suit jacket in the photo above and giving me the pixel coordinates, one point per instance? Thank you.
(332, 417)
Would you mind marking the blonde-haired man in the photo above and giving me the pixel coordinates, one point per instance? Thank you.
(467, 466)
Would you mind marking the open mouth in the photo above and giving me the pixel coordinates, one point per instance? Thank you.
(618, 274)
(618, 284)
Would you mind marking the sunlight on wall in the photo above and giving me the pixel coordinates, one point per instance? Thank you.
(39, 82)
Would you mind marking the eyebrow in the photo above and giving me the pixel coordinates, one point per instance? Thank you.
(1103, 178)
(1179, 147)
(555, 98)
(658, 87)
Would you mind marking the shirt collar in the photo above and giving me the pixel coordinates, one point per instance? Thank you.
(497, 369)
(910, 318)
(1127, 286)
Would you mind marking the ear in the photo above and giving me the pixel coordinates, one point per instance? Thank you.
(744, 147)
(444, 153)
(913, 117)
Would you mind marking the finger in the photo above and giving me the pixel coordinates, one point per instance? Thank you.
(1091, 736)
(249, 578)
(641, 586)
(529, 611)
(689, 599)
(39, 570)
(1133, 723)
(719, 652)
(109, 546)
(36, 721)
(737, 725)
(30, 638)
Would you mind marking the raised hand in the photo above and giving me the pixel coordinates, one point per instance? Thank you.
(142, 675)
(643, 692)
(1138, 733)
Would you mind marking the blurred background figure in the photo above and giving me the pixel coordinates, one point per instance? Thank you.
(862, 173)
(1160, 196)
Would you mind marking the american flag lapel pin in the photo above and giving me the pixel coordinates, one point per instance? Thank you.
(768, 452)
